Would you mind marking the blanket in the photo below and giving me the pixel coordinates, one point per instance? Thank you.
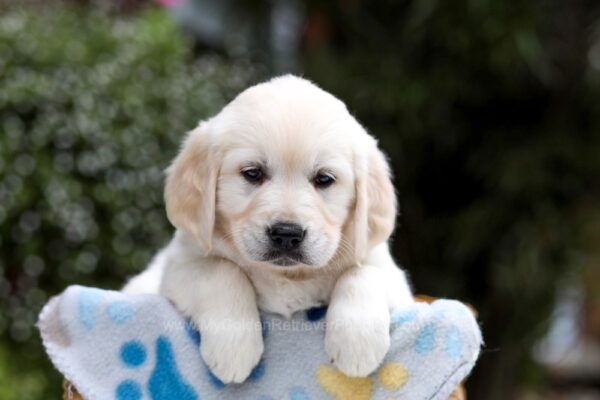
(131, 347)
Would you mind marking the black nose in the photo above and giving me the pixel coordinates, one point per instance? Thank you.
(285, 235)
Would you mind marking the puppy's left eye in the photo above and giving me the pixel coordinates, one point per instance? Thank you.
(253, 175)
(323, 180)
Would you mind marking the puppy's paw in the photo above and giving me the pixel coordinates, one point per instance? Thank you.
(232, 353)
(357, 342)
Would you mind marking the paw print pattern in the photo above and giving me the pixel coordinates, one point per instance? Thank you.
(132, 354)
(119, 312)
(298, 393)
(148, 364)
(316, 314)
(88, 302)
(192, 333)
(453, 344)
(403, 316)
(392, 376)
(165, 381)
(128, 390)
(427, 337)
(425, 341)
(341, 387)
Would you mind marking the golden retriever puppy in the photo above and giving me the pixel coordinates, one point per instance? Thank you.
(282, 202)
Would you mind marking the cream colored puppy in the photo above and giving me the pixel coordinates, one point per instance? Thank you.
(282, 202)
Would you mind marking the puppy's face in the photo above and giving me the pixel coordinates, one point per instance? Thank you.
(281, 178)
(286, 188)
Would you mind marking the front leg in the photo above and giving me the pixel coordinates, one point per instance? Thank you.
(220, 300)
(358, 319)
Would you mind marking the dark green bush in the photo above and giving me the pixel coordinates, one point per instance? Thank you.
(490, 112)
(92, 108)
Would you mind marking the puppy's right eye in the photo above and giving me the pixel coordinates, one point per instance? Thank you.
(253, 175)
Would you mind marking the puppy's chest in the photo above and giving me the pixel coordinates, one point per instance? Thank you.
(285, 297)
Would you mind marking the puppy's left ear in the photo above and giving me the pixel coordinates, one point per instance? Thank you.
(375, 207)
(191, 187)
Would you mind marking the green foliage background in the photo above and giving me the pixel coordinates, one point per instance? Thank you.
(490, 112)
(92, 109)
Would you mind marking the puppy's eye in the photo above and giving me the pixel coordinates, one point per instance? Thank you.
(323, 180)
(253, 175)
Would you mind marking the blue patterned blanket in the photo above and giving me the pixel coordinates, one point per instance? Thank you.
(132, 347)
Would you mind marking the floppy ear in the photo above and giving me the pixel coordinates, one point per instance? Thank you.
(375, 207)
(191, 188)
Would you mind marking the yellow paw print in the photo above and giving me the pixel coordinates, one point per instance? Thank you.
(391, 376)
(342, 387)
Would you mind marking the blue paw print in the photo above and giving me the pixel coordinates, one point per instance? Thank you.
(453, 344)
(426, 337)
(214, 381)
(452, 341)
(89, 299)
(425, 341)
(403, 316)
(128, 390)
(316, 313)
(298, 393)
(192, 333)
(119, 312)
(257, 372)
(133, 354)
(165, 380)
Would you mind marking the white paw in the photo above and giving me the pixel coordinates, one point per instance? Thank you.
(356, 341)
(232, 352)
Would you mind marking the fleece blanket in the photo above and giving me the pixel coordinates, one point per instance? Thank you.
(132, 347)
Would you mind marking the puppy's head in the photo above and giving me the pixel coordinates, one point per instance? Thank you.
(282, 177)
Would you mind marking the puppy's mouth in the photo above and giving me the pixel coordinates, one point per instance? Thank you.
(285, 259)
(284, 262)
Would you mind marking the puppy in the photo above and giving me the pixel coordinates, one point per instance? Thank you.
(282, 202)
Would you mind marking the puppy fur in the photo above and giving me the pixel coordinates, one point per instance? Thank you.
(219, 268)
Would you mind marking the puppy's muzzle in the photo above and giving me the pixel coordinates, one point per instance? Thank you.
(285, 244)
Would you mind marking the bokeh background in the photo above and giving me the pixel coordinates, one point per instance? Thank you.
(488, 109)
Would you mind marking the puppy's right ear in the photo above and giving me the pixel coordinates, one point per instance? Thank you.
(375, 208)
(191, 187)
